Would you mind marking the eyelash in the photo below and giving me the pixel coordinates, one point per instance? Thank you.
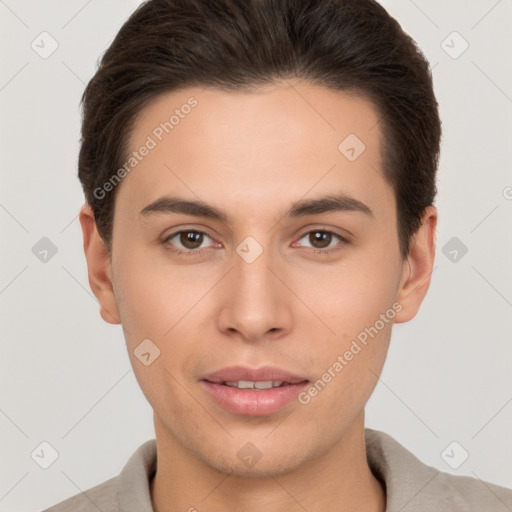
(195, 252)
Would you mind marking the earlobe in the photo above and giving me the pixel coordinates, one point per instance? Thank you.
(417, 269)
(98, 265)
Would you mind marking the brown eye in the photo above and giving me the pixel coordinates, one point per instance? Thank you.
(186, 241)
(320, 239)
(191, 239)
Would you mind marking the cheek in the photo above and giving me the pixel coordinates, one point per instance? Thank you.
(351, 296)
(349, 362)
(168, 305)
(357, 302)
(152, 297)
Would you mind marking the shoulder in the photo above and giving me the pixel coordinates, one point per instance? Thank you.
(101, 497)
(411, 485)
(129, 491)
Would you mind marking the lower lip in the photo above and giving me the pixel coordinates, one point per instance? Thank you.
(252, 402)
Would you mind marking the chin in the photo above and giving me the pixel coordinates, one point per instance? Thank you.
(260, 466)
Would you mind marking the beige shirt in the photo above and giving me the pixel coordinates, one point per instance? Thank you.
(411, 486)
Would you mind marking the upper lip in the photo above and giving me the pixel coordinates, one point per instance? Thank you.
(263, 374)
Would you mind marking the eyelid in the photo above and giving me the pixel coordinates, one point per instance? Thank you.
(326, 229)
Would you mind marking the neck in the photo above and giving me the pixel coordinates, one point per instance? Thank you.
(338, 480)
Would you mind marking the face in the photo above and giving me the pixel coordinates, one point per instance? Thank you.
(264, 277)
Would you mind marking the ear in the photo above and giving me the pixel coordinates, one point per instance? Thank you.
(417, 269)
(99, 268)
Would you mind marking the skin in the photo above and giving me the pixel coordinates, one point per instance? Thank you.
(253, 155)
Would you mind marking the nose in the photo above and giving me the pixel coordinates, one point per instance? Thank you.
(256, 303)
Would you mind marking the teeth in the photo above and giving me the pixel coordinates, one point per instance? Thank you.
(250, 384)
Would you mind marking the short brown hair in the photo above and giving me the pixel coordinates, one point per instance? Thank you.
(346, 45)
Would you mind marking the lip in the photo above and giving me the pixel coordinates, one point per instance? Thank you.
(234, 373)
(250, 402)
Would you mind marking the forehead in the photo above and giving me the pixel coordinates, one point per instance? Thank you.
(248, 148)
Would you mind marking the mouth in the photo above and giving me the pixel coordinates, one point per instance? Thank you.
(253, 392)
(256, 385)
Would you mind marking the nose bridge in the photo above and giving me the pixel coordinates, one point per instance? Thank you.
(251, 267)
(256, 299)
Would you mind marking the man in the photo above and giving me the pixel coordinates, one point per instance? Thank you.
(260, 178)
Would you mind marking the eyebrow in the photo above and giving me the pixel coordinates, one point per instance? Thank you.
(330, 203)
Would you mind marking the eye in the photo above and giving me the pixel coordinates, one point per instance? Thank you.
(190, 240)
(321, 240)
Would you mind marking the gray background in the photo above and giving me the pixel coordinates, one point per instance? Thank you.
(66, 377)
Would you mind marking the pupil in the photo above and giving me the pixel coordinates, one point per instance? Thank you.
(321, 236)
(190, 239)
